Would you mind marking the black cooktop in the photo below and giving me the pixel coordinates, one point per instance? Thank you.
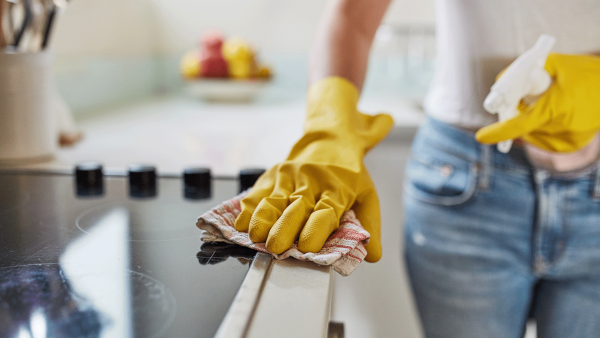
(111, 261)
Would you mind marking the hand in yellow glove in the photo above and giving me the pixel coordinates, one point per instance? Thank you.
(304, 197)
(566, 117)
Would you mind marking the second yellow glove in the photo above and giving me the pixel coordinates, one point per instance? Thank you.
(304, 197)
(566, 117)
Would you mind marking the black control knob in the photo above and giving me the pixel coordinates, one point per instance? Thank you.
(142, 181)
(197, 183)
(248, 177)
(89, 179)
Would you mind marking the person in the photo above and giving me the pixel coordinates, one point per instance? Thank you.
(492, 239)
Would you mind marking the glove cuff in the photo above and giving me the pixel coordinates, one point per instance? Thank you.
(333, 89)
(331, 96)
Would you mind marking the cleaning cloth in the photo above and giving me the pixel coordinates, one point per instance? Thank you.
(343, 250)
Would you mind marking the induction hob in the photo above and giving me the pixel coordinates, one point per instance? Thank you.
(107, 260)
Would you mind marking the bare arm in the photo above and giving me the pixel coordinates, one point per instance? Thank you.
(344, 38)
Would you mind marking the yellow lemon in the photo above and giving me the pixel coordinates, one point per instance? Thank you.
(189, 66)
(263, 72)
(240, 58)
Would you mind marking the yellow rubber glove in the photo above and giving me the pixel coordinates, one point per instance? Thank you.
(566, 117)
(304, 197)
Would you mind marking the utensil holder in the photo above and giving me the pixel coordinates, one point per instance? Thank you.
(28, 129)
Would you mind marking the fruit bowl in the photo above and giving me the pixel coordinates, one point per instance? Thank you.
(226, 90)
(224, 70)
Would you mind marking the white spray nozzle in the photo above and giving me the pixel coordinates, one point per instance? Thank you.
(524, 77)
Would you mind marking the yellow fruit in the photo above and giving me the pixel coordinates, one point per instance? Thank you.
(236, 48)
(263, 72)
(240, 58)
(190, 65)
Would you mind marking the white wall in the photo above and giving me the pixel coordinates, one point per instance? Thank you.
(105, 28)
(114, 50)
(411, 12)
(272, 25)
(105, 52)
(140, 27)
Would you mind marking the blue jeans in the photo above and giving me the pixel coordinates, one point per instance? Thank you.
(491, 242)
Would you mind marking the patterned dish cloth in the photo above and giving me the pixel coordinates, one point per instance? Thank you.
(343, 250)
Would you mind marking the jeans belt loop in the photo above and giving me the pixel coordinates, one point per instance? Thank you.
(486, 167)
(596, 186)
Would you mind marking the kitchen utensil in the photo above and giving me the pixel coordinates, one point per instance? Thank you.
(2, 39)
(51, 12)
(33, 36)
(53, 7)
(7, 21)
(26, 20)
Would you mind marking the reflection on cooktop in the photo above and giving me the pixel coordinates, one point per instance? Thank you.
(109, 265)
(146, 221)
(38, 301)
(46, 300)
(217, 252)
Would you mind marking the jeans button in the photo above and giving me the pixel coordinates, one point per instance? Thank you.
(446, 170)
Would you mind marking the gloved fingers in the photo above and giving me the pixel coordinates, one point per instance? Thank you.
(286, 180)
(287, 228)
(264, 217)
(553, 64)
(308, 182)
(530, 118)
(249, 204)
(276, 182)
(367, 211)
(525, 122)
(323, 220)
(560, 65)
(271, 208)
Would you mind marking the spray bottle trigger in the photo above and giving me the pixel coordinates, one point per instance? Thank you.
(504, 146)
(503, 115)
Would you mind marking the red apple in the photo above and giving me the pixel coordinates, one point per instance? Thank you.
(212, 62)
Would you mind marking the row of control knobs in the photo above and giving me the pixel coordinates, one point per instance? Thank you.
(197, 182)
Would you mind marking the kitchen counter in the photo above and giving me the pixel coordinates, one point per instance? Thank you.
(174, 132)
(177, 131)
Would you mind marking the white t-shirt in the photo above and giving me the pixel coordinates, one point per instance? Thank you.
(476, 39)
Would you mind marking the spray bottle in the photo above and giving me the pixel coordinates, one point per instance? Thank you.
(524, 77)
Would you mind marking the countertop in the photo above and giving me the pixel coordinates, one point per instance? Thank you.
(173, 132)
(177, 131)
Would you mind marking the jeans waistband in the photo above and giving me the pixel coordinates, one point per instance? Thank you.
(462, 143)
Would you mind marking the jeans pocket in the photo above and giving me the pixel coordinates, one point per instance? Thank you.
(444, 180)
